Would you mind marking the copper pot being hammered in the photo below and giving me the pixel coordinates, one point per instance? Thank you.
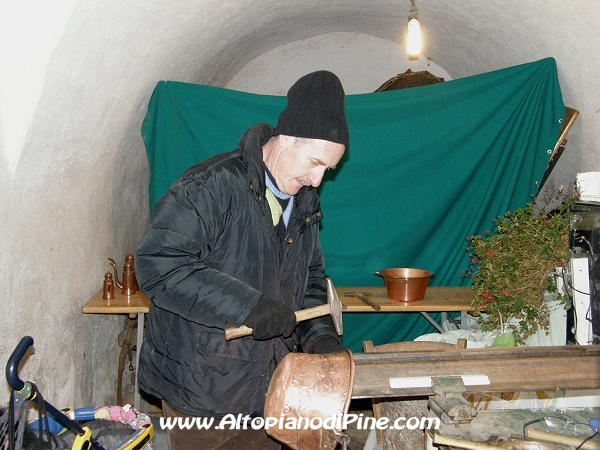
(405, 284)
(308, 389)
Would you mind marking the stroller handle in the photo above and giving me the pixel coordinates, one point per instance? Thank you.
(12, 366)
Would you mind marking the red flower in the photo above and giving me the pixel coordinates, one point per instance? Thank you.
(487, 296)
(490, 253)
(505, 292)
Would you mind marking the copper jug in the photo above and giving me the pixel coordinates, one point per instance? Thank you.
(129, 284)
(129, 260)
(108, 291)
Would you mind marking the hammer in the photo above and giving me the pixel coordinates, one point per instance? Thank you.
(333, 307)
(364, 297)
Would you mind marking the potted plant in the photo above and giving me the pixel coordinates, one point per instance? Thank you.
(512, 267)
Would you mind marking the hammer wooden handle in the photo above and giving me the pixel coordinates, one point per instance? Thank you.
(547, 436)
(232, 333)
(303, 314)
(462, 443)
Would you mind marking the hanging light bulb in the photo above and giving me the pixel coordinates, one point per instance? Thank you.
(413, 39)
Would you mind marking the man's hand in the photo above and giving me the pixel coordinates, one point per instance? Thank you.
(269, 319)
(326, 344)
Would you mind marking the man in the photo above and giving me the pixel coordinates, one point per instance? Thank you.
(236, 241)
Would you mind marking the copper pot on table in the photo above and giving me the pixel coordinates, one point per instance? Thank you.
(406, 284)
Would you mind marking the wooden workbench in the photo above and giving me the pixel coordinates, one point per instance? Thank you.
(437, 299)
(442, 299)
(121, 304)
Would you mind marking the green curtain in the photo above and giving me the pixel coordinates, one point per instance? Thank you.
(426, 167)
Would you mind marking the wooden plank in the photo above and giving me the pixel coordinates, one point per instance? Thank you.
(515, 369)
(437, 299)
(121, 304)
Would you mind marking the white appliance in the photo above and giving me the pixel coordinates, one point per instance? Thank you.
(580, 292)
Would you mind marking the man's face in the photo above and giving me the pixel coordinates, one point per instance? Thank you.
(298, 162)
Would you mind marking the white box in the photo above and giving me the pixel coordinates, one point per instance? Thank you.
(588, 185)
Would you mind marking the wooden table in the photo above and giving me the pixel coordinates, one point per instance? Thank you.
(437, 299)
(137, 304)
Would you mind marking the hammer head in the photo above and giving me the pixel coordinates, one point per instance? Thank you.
(335, 307)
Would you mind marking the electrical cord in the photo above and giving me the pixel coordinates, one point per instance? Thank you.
(585, 440)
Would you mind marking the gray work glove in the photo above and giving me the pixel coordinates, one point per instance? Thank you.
(269, 319)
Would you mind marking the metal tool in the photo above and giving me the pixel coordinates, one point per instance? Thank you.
(448, 402)
(364, 297)
(333, 307)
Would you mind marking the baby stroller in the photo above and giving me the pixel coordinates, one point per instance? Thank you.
(103, 428)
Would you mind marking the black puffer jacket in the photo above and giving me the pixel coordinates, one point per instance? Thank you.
(210, 253)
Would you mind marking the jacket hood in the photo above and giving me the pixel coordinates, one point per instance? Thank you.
(250, 146)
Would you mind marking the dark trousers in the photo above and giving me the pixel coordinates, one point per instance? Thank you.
(196, 439)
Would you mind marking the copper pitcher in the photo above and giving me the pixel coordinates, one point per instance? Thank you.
(108, 291)
(129, 284)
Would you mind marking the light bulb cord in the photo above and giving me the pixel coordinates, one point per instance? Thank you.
(414, 11)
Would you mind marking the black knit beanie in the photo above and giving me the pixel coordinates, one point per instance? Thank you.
(315, 109)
